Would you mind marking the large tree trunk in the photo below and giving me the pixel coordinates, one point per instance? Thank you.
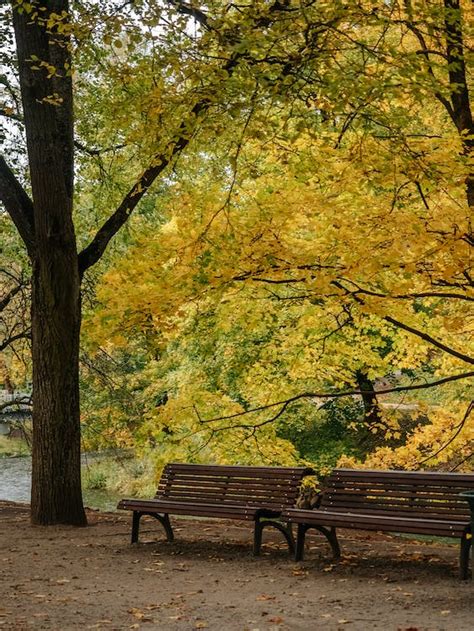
(44, 61)
(56, 489)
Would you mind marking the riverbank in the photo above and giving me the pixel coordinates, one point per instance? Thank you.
(61, 578)
(106, 476)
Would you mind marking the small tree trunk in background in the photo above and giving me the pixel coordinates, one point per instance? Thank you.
(369, 398)
(9, 386)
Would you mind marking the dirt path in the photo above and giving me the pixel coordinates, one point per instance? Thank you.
(63, 578)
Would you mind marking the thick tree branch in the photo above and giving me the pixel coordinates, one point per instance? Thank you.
(8, 297)
(409, 296)
(5, 301)
(18, 205)
(426, 52)
(192, 11)
(430, 340)
(8, 341)
(285, 403)
(93, 252)
(409, 329)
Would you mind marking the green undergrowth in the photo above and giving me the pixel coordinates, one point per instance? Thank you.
(13, 447)
(120, 475)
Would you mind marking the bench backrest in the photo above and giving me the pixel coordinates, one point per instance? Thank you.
(267, 487)
(404, 493)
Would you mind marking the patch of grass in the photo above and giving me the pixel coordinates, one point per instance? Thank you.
(95, 479)
(427, 538)
(13, 447)
(121, 476)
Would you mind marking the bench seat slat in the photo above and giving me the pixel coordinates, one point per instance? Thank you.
(404, 504)
(426, 514)
(376, 522)
(158, 504)
(200, 510)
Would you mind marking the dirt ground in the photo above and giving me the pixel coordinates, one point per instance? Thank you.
(92, 578)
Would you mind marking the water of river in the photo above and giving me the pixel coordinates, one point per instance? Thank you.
(15, 484)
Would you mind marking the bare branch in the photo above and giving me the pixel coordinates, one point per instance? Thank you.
(14, 402)
(96, 151)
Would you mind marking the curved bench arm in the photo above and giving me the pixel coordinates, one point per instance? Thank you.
(285, 529)
(163, 519)
(329, 533)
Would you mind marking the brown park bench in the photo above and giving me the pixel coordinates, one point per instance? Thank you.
(257, 494)
(425, 503)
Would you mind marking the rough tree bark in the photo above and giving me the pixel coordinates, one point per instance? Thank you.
(44, 60)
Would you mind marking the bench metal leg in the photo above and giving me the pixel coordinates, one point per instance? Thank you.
(300, 537)
(329, 533)
(163, 519)
(466, 542)
(135, 525)
(285, 530)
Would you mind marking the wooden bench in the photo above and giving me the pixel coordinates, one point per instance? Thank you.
(257, 494)
(418, 502)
